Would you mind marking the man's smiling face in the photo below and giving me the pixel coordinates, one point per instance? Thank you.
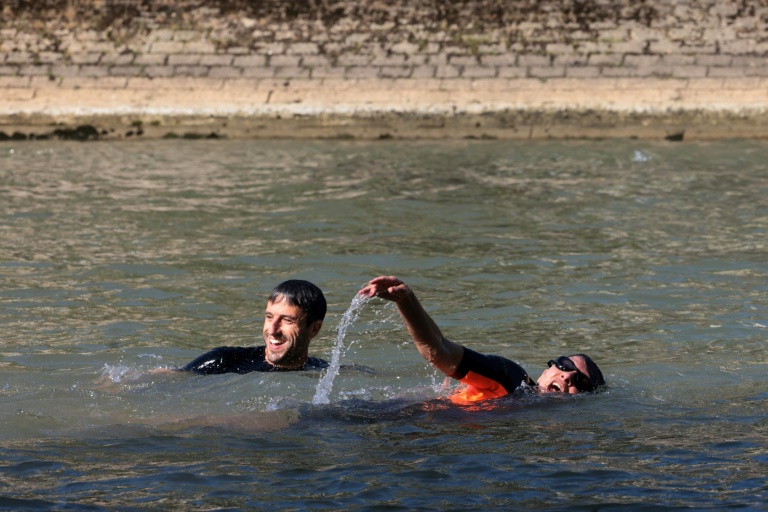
(287, 335)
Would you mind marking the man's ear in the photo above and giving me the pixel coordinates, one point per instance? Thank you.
(315, 328)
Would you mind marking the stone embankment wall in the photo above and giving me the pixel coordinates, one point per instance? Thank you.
(373, 69)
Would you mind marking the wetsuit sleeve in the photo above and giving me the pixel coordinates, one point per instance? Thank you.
(487, 376)
(211, 363)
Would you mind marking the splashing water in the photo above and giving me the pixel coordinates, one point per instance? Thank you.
(324, 387)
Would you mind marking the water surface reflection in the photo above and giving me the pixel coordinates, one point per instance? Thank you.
(122, 259)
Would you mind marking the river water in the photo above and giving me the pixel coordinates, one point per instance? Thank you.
(122, 261)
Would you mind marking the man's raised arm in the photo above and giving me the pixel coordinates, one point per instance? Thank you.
(443, 354)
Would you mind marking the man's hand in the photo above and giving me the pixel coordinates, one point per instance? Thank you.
(386, 287)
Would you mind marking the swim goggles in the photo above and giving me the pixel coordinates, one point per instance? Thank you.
(566, 364)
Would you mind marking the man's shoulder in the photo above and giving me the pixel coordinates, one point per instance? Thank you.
(242, 360)
(498, 368)
(315, 363)
(230, 360)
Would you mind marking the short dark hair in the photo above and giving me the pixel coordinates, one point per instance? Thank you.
(303, 294)
(595, 375)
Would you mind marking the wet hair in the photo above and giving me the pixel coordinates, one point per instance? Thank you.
(595, 375)
(304, 295)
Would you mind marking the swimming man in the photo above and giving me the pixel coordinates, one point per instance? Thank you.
(294, 315)
(484, 376)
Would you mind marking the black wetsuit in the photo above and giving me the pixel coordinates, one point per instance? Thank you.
(487, 376)
(241, 360)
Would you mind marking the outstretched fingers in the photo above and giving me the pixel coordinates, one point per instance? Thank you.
(385, 287)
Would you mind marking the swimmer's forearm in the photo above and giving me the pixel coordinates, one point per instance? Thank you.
(442, 353)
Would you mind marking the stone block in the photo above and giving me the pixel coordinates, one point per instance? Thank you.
(605, 60)
(49, 57)
(750, 61)
(423, 71)
(570, 60)
(512, 72)
(183, 60)
(185, 35)
(719, 34)
(725, 72)
(252, 61)
(404, 47)
(534, 60)
(117, 59)
(64, 70)
(613, 34)
(88, 35)
(158, 71)
(560, 49)
(126, 71)
(7, 82)
(93, 71)
(291, 72)
(678, 60)
(656, 71)
(150, 59)
(447, 71)
(9, 70)
(302, 49)
(685, 33)
(546, 72)
(102, 47)
(634, 47)
(639, 61)
(738, 47)
(357, 38)
(327, 72)
(270, 48)
(162, 34)
(285, 61)
(201, 47)
(235, 50)
(314, 61)
(490, 49)
(388, 60)
(454, 50)
(756, 72)
(192, 71)
(167, 47)
(439, 59)
(416, 60)
(259, 72)
(350, 59)
(582, 72)
(504, 59)
(395, 71)
(664, 47)
(216, 60)
(225, 72)
(642, 34)
(617, 71)
(19, 58)
(713, 60)
(463, 60)
(479, 71)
